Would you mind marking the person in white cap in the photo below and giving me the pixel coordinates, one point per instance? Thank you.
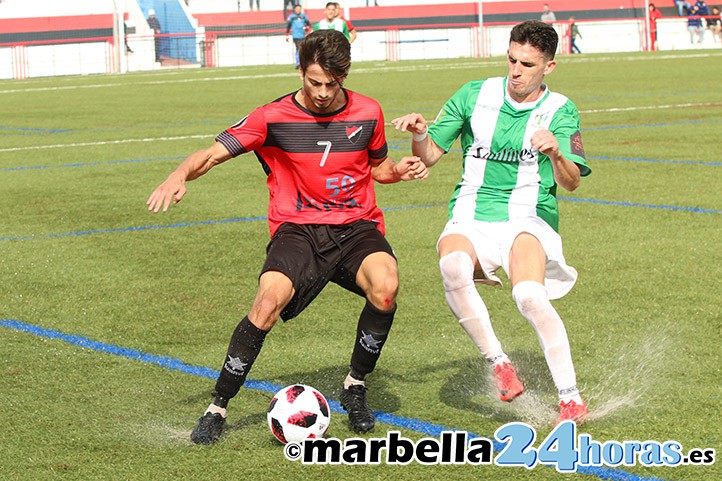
(155, 25)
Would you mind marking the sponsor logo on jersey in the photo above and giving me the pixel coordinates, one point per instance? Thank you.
(511, 156)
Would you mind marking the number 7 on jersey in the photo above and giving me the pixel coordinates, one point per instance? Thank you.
(327, 143)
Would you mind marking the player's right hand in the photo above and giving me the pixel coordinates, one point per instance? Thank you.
(413, 122)
(172, 190)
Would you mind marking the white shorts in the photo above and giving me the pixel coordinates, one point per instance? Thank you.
(492, 242)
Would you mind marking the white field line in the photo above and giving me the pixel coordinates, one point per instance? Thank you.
(381, 67)
(208, 136)
(651, 107)
(107, 142)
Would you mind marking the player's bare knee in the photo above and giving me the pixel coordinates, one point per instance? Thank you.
(457, 270)
(383, 292)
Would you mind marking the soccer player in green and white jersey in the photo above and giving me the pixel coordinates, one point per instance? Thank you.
(519, 141)
(333, 21)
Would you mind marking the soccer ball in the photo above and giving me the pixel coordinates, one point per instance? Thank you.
(298, 412)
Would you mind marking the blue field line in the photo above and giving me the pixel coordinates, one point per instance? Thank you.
(88, 164)
(232, 220)
(393, 145)
(34, 130)
(404, 146)
(132, 229)
(656, 161)
(696, 210)
(173, 364)
(652, 125)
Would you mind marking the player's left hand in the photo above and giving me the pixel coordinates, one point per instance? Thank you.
(545, 142)
(411, 168)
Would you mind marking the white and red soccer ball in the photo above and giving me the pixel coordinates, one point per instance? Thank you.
(298, 412)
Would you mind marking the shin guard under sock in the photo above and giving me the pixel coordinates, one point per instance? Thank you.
(371, 333)
(246, 343)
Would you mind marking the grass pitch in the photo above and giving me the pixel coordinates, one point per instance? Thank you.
(81, 256)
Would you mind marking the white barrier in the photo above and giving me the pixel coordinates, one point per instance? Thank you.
(626, 35)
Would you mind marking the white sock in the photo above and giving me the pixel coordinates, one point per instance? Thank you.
(216, 409)
(350, 381)
(457, 272)
(532, 300)
(570, 394)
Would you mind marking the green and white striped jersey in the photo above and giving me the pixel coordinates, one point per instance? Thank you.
(503, 177)
(336, 24)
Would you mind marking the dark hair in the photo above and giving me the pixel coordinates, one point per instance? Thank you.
(538, 34)
(329, 49)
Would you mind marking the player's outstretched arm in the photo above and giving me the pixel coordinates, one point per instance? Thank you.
(422, 145)
(173, 188)
(408, 168)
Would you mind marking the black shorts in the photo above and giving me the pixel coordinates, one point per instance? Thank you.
(312, 255)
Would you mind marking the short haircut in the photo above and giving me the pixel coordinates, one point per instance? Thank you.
(539, 35)
(329, 49)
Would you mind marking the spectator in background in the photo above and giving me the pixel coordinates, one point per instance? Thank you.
(250, 5)
(654, 15)
(574, 35)
(154, 24)
(694, 25)
(547, 15)
(702, 8)
(376, 4)
(288, 8)
(125, 36)
(297, 26)
(715, 24)
(349, 26)
(332, 22)
(682, 7)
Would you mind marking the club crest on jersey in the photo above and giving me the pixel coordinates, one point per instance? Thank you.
(354, 133)
(539, 120)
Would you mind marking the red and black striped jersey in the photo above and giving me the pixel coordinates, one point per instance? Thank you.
(318, 165)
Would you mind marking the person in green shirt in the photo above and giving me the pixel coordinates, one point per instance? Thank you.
(332, 21)
(520, 141)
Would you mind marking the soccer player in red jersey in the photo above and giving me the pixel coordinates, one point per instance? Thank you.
(322, 147)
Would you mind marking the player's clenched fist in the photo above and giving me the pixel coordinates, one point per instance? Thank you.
(411, 168)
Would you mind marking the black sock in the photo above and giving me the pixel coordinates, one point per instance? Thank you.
(246, 343)
(371, 333)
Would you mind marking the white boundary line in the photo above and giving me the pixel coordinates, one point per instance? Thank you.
(204, 136)
(106, 142)
(651, 107)
(380, 67)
